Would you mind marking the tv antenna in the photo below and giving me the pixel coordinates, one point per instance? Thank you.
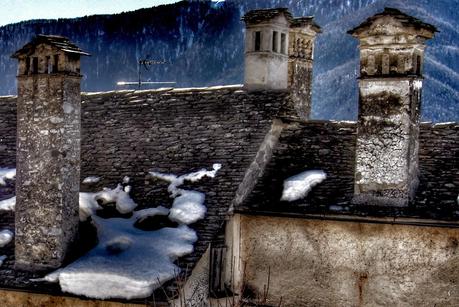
(145, 64)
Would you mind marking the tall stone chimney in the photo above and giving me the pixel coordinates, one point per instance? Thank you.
(303, 31)
(391, 59)
(266, 49)
(48, 151)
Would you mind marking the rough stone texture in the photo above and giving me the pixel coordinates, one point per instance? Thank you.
(195, 290)
(48, 169)
(438, 167)
(258, 165)
(391, 57)
(349, 264)
(330, 146)
(387, 144)
(327, 146)
(300, 51)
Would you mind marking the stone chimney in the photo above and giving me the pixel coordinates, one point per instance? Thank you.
(391, 58)
(48, 151)
(302, 34)
(266, 49)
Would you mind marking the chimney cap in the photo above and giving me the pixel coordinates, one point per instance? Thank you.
(262, 15)
(300, 22)
(404, 19)
(60, 42)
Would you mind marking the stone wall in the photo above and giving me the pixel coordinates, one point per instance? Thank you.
(387, 141)
(48, 169)
(348, 263)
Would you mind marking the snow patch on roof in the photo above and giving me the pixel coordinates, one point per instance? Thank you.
(8, 204)
(91, 180)
(188, 207)
(7, 173)
(298, 186)
(129, 262)
(89, 202)
(5, 237)
(2, 258)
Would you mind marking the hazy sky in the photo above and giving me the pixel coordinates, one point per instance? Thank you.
(12, 11)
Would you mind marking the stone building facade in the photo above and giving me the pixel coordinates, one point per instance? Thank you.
(349, 241)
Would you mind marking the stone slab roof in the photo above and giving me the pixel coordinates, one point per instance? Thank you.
(129, 133)
(405, 19)
(259, 16)
(60, 42)
(330, 146)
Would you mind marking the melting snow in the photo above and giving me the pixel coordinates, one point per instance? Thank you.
(129, 262)
(175, 181)
(298, 186)
(140, 215)
(6, 173)
(120, 196)
(188, 207)
(2, 258)
(8, 204)
(91, 180)
(5, 237)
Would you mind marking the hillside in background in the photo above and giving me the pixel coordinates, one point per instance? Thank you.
(203, 42)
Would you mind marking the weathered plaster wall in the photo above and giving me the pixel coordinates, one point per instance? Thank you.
(328, 263)
(24, 299)
(387, 141)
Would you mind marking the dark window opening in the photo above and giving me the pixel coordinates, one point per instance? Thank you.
(49, 67)
(27, 67)
(35, 65)
(257, 41)
(275, 41)
(56, 63)
(283, 41)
